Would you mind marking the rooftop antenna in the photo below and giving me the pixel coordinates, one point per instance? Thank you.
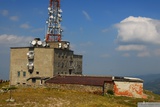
(54, 30)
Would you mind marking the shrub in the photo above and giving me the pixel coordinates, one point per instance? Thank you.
(110, 92)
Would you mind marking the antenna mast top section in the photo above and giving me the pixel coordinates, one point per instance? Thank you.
(54, 31)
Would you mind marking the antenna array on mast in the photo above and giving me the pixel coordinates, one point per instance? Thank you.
(54, 30)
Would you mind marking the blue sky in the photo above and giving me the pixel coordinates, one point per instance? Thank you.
(116, 37)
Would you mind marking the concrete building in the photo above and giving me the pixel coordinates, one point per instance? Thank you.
(41, 61)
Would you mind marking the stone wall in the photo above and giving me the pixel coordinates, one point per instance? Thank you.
(82, 88)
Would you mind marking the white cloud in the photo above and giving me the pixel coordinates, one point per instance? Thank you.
(139, 34)
(4, 12)
(14, 18)
(143, 54)
(25, 26)
(86, 15)
(139, 30)
(13, 40)
(131, 48)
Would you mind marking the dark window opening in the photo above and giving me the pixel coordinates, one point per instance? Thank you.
(37, 73)
(59, 64)
(18, 73)
(62, 64)
(24, 74)
(70, 71)
(71, 63)
(33, 80)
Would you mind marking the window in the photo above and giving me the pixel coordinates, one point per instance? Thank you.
(59, 64)
(71, 63)
(62, 65)
(24, 74)
(70, 71)
(33, 80)
(18, 73)
(59, 55)
(37, 72)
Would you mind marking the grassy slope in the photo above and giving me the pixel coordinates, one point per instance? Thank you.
(45, 97)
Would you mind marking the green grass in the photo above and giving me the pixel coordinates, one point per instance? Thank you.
(48, 97)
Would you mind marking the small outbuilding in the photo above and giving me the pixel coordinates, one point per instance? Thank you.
(120, 86)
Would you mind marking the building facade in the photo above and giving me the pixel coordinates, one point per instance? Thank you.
(39, 62)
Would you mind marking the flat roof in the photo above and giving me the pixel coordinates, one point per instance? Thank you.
(90, 80)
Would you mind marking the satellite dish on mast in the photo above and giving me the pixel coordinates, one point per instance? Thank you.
(33, 42)
(59, 15)
(65, 46)
(51, 17)
(60, 11)
(39, 42)
(44, 44)
(49, 8)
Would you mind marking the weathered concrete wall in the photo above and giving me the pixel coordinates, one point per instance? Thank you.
(43, 62)
(130, 89)
(18, 63)
(43, 65)
(62, 61)
(77, 63)
(65, 63)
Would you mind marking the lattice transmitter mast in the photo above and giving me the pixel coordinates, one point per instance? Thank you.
(54, 30)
